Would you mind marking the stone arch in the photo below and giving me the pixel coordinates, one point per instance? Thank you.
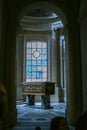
(73, 38)
(53, 8)
(70, 32)
(41, 4)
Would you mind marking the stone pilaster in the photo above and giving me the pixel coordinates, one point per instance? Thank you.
(75, 88)
(10, 74)
(59, 68)
(19, 65)
(57, 56)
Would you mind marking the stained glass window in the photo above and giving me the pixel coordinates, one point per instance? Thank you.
(36, 61)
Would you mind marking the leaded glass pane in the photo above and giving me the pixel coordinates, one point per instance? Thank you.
(44, 75)
(33, 80)
(44, 68)
(33, 50)
(34, 68)
(33, 74)
(33, 58)
(36, 53)
(33, 62)
(28, 80)
(43, 57)
(44, 62)
(44, 51)
(34, 44)
(39, 58)
(28, 75)
(28, 51)
(45, 79)
(38, 62)
(39, 74)
(39, 68)
(39, 49)
(28, 44)
(28, 62)
(39, 80)
(28, 57)
(44, 45)
(39, 44)
(29, 68)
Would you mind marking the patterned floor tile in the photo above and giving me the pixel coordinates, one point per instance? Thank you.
(30, 117)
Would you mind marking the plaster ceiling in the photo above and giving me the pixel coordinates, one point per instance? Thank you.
(39, 12)
(40, 18)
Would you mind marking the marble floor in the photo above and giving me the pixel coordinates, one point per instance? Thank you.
(29, 117)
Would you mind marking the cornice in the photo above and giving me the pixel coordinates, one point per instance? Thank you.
(31, 23)
(28, 19)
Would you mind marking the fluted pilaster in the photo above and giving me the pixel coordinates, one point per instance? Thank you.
(59, 67)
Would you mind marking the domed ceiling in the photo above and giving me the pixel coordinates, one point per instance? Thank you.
(40, 18)
(41, 13)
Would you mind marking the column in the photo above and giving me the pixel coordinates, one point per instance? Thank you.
(19, 66)
(57, 55)
(45, 101)
(74, 98)
(30, 100)
(59, 66)
(10, 74)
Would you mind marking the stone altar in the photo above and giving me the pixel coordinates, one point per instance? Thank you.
(45, 89)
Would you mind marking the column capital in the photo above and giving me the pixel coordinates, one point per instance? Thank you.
(58, 31)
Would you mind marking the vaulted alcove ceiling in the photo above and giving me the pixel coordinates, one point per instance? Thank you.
(42, 13)
(40, 19)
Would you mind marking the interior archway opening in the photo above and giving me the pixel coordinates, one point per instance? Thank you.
(41, 58)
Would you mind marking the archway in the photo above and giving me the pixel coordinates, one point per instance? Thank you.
(73, 59)
(43, 5)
